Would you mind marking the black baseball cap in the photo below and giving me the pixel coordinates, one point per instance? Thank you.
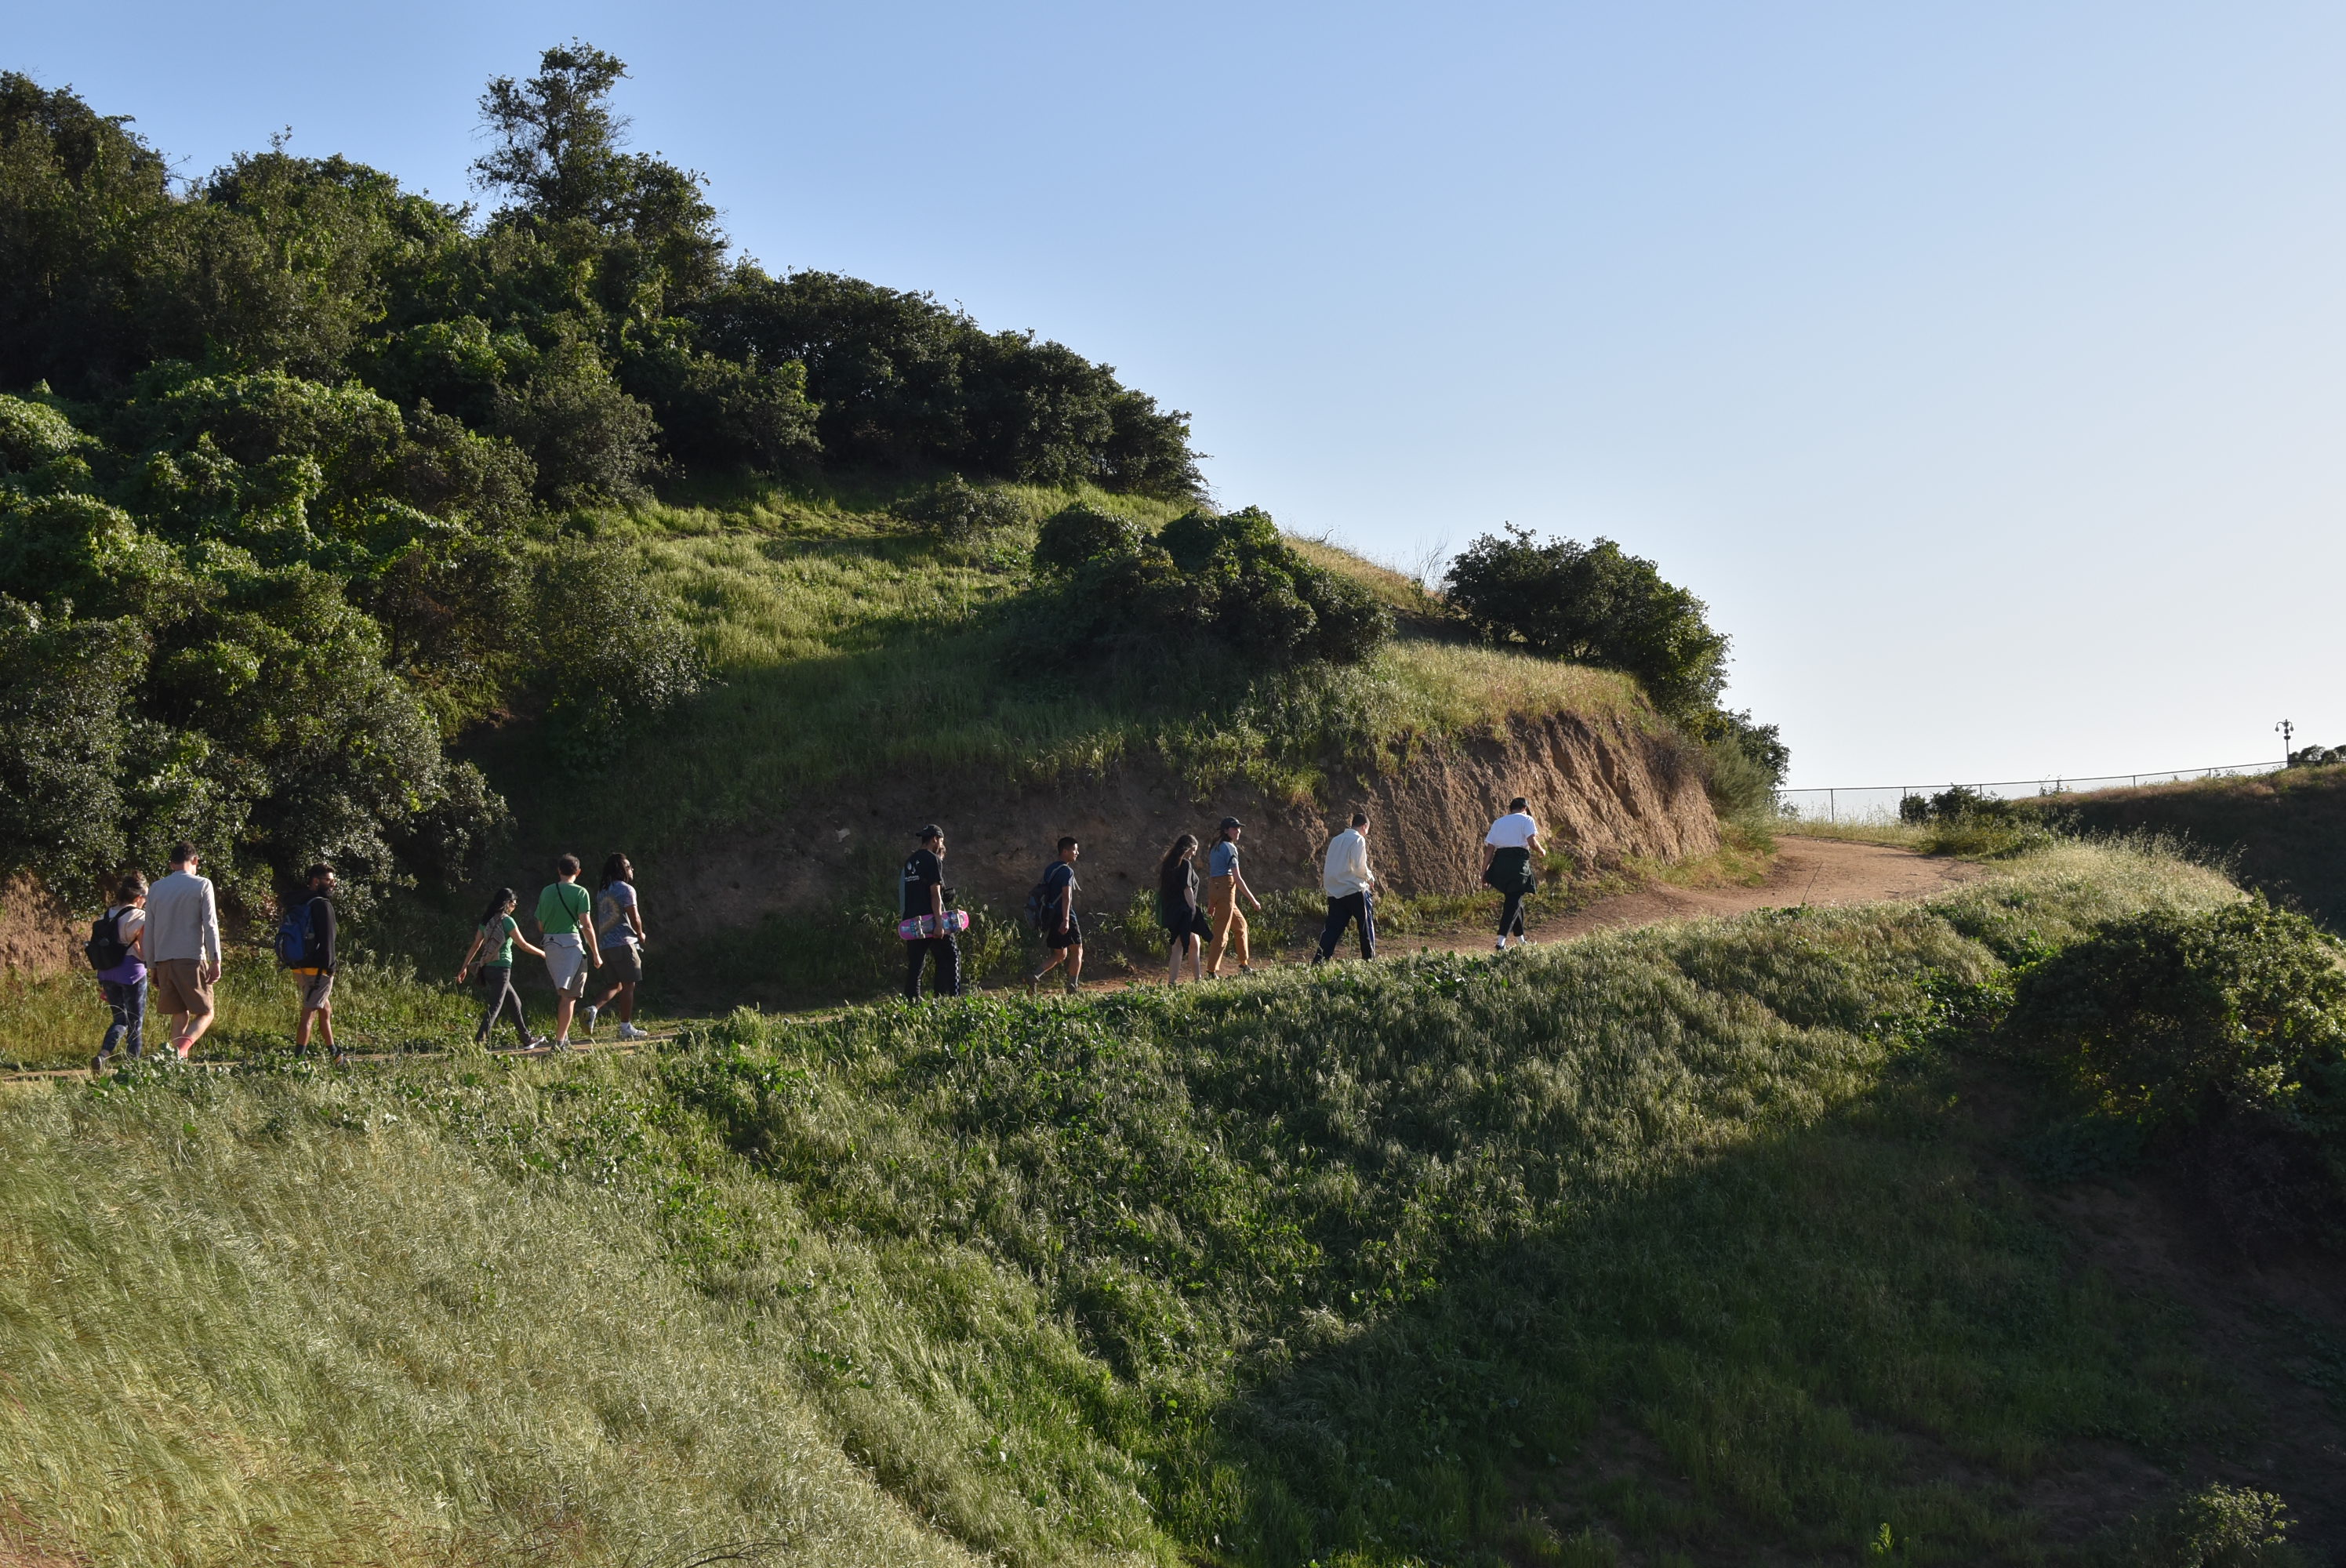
(1232, 822)
(930, 831)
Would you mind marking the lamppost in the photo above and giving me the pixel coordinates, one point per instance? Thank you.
(2288, 733)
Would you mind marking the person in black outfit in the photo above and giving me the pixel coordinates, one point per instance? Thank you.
(923, 893)
(1177, 907)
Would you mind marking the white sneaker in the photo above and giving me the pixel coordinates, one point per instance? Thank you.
(1501, 947)
(587, 1020)
(629, 1031)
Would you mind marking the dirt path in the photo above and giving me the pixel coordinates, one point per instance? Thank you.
(1823, 871)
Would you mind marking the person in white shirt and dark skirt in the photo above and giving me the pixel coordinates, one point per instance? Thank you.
(1509, 851)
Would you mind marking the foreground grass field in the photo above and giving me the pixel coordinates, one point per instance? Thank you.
(1674, 1245)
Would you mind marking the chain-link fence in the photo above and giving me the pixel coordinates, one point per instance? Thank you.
(1879, 802)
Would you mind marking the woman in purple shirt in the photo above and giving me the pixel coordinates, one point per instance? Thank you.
(125, 984)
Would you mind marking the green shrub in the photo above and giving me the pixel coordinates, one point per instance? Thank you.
(1592, 604)
(2168, 1019)
(33, 434)
(1743, 761)
(953, 508)
(589, 440)
(1074, 536)
(1228, 583)
(2222, 1526)
(609, 661)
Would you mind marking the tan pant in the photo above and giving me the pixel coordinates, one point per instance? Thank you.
(1229, 926)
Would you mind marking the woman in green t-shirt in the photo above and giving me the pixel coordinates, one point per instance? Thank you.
(494, 940)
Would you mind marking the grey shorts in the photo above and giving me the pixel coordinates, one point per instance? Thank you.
(566, 963)
(623, 964)
(317, 992)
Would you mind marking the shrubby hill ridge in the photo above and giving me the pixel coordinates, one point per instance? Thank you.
(293, 460)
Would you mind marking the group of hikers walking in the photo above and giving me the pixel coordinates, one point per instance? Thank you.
(157, 948)
(1511, 852)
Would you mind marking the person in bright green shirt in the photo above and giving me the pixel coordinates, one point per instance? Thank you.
(494, 940)
(570, 948)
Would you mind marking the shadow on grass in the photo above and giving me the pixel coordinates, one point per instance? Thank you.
(1796, 1342)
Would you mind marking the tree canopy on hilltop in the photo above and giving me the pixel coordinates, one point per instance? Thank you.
(293, 460)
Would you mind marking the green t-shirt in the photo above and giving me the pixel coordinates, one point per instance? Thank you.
(497, 943)
(561, 907)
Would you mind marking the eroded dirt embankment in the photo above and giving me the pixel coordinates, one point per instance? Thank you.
(37, 933)
(1601, 788)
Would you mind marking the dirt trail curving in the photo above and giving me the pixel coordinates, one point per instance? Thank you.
(1822, 871)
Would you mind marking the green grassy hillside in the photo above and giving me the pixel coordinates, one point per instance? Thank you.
(2286, 831)
(1701, 1243)
(848, 644)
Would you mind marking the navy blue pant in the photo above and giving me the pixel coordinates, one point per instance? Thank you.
(1343, 912)
(129, 1005)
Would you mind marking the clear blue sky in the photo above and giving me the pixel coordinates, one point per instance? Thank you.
(1983, 365)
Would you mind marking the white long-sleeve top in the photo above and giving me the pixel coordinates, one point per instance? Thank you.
(182, 920)
(1346, 871)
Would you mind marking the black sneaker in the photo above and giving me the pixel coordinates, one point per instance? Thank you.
(98, 1065)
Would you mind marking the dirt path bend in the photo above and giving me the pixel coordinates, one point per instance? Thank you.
(1805, 871)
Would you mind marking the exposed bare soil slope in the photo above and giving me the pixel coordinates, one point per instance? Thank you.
(37, 935)
(1603, 789)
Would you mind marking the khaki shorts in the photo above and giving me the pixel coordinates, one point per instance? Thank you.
(317, 990)
(175, 988)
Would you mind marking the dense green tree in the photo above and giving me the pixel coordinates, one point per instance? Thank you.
(1227, 583)
(82, 200)
(292, 460)
(1593, 604)
(901, 381)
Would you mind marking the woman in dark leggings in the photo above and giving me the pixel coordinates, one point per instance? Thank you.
(1177, 908)
(492, 942)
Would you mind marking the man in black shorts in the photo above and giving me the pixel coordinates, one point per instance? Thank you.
(1062, 933)
(923, 894)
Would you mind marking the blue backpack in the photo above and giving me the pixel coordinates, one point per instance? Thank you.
(294, 936)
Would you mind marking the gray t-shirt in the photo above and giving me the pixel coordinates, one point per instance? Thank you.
(611, 907)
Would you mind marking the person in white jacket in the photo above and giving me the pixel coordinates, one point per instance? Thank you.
(1349, 883)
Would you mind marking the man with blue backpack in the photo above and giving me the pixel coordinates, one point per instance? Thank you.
(305, 944)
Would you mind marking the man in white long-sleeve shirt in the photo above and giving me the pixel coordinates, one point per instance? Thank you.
(1346, 879)
(183, 948)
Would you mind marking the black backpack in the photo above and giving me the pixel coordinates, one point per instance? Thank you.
(1044, 900)
(106, 949)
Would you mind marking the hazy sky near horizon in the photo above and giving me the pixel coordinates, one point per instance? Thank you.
(1983, 366)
